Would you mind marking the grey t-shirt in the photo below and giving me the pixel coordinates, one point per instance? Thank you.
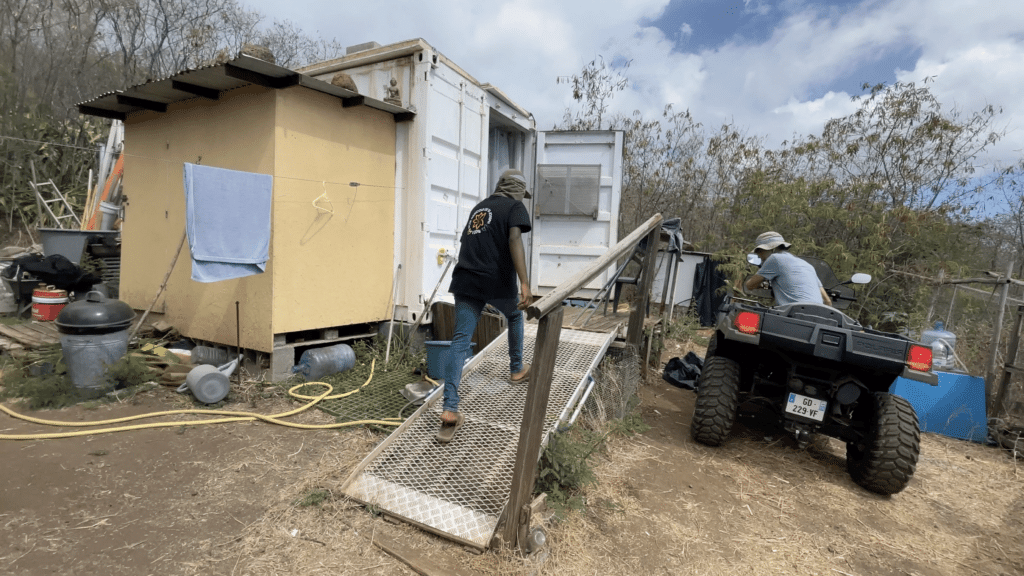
(793, 280)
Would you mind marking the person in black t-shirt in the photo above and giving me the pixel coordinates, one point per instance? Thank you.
(491, 270)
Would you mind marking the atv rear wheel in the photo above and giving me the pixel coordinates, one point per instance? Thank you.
(885, 460)
(718, 393)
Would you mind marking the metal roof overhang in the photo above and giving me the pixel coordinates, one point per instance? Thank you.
(210, 81)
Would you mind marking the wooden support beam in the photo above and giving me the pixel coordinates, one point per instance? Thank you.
(635, 331)
(141, 103)
(545, 350)
(354, 101)
(101, 112)
(260, 79)
(201, 91)
(417, 561)
(554, 298)
(1009, 369)
(997, 331)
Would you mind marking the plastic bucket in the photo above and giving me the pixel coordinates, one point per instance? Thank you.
(47, 302)
(109, 212)
(437, 356)
(87, 357)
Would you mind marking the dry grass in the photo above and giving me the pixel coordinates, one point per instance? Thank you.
(663, 505)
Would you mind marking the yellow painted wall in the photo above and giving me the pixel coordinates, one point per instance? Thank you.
(234, 132)
(324, 270)
(332, 269)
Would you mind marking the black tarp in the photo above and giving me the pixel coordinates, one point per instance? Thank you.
(683, 372)
(53, 270)
(706, 295)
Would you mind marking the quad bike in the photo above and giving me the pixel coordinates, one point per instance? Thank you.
(816, 371)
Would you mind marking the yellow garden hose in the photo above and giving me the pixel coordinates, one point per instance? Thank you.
(233, 417)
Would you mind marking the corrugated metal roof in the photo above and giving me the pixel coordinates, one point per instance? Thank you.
(209, 81)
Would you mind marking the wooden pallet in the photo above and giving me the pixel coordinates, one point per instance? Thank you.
(28, 335)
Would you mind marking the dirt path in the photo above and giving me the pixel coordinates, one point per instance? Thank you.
(224, 499)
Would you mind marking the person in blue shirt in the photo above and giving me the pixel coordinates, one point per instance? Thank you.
(792, 278)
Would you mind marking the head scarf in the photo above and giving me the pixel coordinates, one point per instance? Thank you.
(512, 184)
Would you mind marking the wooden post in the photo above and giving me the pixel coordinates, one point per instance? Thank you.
(635, 331)
(545, 350)
(1009, 368)
(997, 330)
(935, 297)
(672, 291)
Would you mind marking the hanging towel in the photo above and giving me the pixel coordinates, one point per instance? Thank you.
(227, 218)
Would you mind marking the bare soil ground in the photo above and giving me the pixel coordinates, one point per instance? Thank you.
(226, 499)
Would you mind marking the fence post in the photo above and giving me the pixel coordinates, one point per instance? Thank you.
(997, 330)
(524, 472)
(1009, 368)
(635, 331)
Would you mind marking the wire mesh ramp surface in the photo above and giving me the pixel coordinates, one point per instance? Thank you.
(458, 490)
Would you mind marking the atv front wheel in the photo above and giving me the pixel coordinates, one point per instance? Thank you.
(885, 460)
(718, 393)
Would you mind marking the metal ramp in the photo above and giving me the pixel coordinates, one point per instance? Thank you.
(458, 490)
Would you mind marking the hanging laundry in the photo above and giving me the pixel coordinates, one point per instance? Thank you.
(227, 221)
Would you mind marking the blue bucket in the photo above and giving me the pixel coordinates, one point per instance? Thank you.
(437, 356)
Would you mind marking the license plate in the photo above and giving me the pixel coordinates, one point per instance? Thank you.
(806, 406)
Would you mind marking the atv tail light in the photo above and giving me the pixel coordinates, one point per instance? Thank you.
(748, 322)
(920, 358)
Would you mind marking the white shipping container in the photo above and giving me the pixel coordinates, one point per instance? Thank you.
(463, 135)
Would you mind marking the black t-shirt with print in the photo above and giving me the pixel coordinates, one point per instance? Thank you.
(485, 270)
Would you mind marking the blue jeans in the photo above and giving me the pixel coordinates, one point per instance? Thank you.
(467, 314)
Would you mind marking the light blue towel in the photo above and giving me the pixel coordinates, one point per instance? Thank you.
(227, 218)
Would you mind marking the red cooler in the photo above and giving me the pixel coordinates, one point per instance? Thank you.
(47, 302)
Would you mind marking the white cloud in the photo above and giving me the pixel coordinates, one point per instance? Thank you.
(790, 83)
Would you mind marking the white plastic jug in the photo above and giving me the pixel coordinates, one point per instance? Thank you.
(943, 343)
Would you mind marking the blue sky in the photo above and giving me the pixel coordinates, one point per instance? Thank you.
(772, 68)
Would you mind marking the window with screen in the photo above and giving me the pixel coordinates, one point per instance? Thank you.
(567, 189)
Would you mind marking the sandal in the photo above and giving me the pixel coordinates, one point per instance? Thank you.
(524, 376)
(447, 431)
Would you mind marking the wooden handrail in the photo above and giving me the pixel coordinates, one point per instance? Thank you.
(554, 298)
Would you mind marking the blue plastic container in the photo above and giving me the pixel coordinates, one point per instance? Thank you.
(437, 356)
(319, 362)
(954, 408)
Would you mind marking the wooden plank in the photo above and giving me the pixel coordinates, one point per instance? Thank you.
(44, 331)
(29, 339)
(567, 288)
(10, 345)
(545, 351)
(997, 408)
(417, 561)
(990, 372)
(41, 331)
(635, 332)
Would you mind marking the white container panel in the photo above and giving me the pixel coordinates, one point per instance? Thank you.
(589, 237)
(686, 271)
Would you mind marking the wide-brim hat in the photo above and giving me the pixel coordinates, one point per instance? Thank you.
(770, 241)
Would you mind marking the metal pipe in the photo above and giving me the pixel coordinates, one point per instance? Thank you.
(579, 407)
(393, 306)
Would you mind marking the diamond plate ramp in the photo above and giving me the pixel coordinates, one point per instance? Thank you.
(458, 490)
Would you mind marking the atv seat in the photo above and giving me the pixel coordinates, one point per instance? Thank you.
(818, 313)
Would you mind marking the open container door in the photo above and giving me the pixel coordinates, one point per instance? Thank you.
(576, 193)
